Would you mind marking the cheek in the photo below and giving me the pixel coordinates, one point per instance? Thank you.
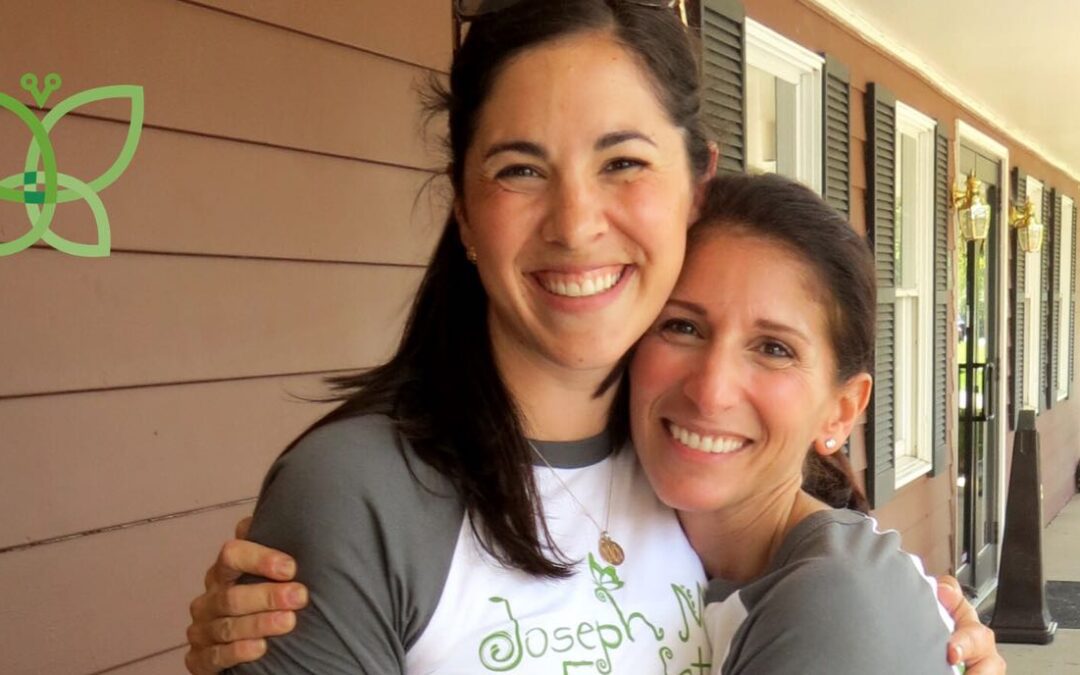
(654, 372)
(780, 395)
(498, 224)
(657, 218)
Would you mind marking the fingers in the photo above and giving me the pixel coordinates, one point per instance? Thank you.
(212, 660)
(952, 599)
(239, 557)
(233, 629)
(971, 643)
(974, 646)
(243, 527)
(248, 599)
(992, 666)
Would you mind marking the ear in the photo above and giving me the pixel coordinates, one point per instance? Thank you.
(851, 400)
(714, 160)
(463, 223)
(702, 186)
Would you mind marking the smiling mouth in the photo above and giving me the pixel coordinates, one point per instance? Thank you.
(717, 445)
(581, 285)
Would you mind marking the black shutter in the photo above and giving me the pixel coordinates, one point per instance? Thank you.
(1046, 301)
(1072, 305)
(836, 174)
(1018, 272)
(942, 213)
(881, 223)
(723, 81)
(1054, 338)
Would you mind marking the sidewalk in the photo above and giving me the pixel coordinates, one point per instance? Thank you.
(1061, 562)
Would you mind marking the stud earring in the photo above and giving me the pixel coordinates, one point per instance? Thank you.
(830, 443)
(470, 255)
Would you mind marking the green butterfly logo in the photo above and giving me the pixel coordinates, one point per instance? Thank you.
(41, 187)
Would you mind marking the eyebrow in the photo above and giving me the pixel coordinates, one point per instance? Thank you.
(614, 138)
(689, 306)
(781, 328)
(524, 147)
(535, 150)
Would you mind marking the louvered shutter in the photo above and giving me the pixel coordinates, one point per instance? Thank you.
(723, 81)
(942, 291)
(836, 174)
(1018, 271)
(1072, 306)
(1046, 303)
(1054, 339)
(881, 223)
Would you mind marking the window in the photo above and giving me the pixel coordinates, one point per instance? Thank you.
(1063, 297)
(783, 106)
(1033, 306)
(913, 245)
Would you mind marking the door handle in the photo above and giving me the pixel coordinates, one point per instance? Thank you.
(988, 410)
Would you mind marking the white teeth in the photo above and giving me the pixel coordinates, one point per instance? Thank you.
(705, 443)
(589, 286)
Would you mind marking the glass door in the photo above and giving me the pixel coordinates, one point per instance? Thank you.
(977, 306)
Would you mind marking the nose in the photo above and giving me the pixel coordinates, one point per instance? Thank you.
(713, 386)
(576, 216)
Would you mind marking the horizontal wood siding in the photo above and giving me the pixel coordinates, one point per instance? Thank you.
(153, 450)
(135, 319)
(271, 229)
(233, 198)
(218, 74)
(88, 604)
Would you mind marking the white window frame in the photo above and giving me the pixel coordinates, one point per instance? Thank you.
(915, 363)
(1064, 297)
(1033, 336)
(789, 61)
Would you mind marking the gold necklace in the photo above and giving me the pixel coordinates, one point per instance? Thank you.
(609, 549)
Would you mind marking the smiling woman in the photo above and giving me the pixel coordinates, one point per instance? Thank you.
(754, 373)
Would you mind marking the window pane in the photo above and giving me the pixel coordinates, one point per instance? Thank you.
(908, 213)
(772, 104)
(761, 120)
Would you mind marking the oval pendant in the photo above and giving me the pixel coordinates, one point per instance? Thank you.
(610, 551)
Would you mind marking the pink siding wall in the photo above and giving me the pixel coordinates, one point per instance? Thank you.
(267, 232)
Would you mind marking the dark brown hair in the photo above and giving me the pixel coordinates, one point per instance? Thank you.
(442, 388)
(781, 210)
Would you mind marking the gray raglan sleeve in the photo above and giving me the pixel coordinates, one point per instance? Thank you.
(834, 616)
(372, 543)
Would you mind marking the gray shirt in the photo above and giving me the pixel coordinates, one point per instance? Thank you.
(399, 583)
(839, 598)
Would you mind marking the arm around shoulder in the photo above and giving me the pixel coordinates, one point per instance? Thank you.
(333, 503)
(833, 616)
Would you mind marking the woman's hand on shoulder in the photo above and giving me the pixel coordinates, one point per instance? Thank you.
(229, 621)
(971, 643)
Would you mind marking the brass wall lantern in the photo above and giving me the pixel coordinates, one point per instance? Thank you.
(972, 210)
(1029, 230)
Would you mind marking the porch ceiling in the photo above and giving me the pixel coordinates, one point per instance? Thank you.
(1016, 63)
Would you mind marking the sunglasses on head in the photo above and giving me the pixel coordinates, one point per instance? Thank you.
(468, 10)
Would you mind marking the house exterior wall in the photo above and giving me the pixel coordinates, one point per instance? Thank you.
(266, 233)
(924, 510)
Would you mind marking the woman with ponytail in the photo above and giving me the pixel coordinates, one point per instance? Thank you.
(742, 394)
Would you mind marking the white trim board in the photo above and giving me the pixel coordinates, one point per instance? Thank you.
(876, 37)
